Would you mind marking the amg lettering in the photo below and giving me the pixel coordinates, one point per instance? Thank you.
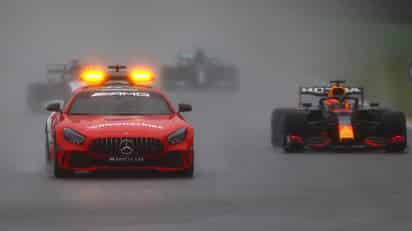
(119, 93)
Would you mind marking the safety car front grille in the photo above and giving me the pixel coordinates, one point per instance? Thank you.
(137, 145)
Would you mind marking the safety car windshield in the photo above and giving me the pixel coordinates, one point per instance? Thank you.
(119, 103)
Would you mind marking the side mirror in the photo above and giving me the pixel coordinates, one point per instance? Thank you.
(307, 105)
(374, 104)
(185, 107)
(54, 106)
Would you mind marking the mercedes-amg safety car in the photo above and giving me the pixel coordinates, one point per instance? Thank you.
(340, 119)
(118, 122)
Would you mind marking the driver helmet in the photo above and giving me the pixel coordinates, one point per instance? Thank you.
(337, 96)
(338, 92)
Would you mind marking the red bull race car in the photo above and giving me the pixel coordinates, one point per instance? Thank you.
(117, 121)
(339, 120)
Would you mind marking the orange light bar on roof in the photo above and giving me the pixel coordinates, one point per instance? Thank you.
(93, 76)
(141, 76)
(346, 132)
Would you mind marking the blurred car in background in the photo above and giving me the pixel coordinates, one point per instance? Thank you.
(198, 71)
(61, 80)
(340, 119)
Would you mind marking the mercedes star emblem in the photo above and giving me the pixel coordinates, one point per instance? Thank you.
(126, 147)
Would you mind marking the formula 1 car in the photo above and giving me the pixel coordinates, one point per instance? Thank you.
(118, 122)
(198, 72)
(340, 120)
(61, 80)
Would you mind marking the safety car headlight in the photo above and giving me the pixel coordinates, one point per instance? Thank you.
(177, 136)
(72, 136)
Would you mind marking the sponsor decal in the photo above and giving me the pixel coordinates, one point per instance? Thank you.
(325, 90)
(120, 93)
(314, 90)
(131, 158)
(126, 124)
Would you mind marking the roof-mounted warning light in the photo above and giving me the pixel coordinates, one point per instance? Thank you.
(93, 75)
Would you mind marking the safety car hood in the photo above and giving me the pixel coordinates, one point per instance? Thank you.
(158, 125)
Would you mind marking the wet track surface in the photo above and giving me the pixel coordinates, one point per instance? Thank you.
(241, 183)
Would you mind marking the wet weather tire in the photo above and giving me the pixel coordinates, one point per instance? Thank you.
(188, 173)
(394, 123)
(59, 172)
(294, 123)
(277, 125)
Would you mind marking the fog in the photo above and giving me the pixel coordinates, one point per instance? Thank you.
(277, 45)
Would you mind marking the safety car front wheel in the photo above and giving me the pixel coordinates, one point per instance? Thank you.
(59, 172)
(189, 173)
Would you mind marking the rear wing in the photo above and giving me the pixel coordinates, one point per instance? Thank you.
(323, 91)
(56, 73)
(61, 73)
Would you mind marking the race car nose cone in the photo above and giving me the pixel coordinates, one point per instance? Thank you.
(345, 132)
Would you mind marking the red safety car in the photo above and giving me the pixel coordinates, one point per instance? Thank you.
(118, 122)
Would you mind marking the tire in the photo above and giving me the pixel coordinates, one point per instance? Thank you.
(37, 95)
(173, 75)
(276, 128)
(394, 123)
(46, 147)
(231, 75)
(48, 162)
(188, 173)
(168, 78)
(294, 123)
(60, 173)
